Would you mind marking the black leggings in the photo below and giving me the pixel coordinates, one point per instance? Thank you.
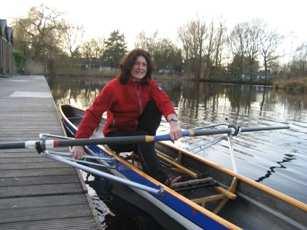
(149, 122)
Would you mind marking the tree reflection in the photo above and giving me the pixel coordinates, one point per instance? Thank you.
(189, 101)
(294, 104)
(240, 97)
(240, 103)
(73, 90)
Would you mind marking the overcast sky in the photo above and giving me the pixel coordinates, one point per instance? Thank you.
(99, 17)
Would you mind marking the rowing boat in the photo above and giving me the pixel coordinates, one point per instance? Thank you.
(209, 196)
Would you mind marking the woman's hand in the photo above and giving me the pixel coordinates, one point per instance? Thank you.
(77, 152)
(175, 130)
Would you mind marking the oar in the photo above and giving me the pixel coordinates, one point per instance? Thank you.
(104, 174)
(42, 144)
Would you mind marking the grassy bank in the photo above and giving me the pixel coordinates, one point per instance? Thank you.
(292, 85)
(105, 72)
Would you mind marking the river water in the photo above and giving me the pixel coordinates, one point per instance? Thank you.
(275, 158)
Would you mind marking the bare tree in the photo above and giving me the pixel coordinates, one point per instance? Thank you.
(253, 49)
(298, 65)
(244, 43)
(92, 49)
(269, 41)
(166, 55)
(192, 37)
(214, 42)
(146, 42)
(72, 40)
(220, 40)
(209, 49)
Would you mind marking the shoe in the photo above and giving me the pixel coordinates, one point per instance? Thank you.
(172, 180)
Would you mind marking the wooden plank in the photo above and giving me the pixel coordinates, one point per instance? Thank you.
(15, 153)
(8, 135)
(177, 165)
(39, 125)
(191, 182)
(81, 223)
(38, 159)
(23, 134)
(36, 172)
(44, 213)
(203, 200)
(28, 115)
(16, 118)
(225, 192)
(42, 201)
(28, 165)
(24, 153)
(35, 190)
(36, 180)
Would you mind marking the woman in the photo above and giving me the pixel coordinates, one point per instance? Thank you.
(134, 104)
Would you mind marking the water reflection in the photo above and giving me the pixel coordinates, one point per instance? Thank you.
(286, 158)
(215, 102)
(75, 91)
(276, 158)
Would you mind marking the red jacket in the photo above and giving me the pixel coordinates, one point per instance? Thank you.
(124, 104)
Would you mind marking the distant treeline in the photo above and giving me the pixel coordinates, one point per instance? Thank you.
(206, 51)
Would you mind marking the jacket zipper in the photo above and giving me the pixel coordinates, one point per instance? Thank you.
(139, 98)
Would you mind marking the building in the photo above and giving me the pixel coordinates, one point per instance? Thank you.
(7, 66)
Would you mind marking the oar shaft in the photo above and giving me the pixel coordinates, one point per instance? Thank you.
(204, 132)
(13, 145)
(105, 140)
(81, 142)
(105, 175)
(263, 128)
(195, 132)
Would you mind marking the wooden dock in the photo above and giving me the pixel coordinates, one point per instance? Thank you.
(36, 192)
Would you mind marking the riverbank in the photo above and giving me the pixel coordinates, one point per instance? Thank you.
(156, 76)
(293, 85)
(109, 73)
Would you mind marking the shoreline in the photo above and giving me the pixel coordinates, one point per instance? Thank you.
(294, 85)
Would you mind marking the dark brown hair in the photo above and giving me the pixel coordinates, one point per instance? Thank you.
(128, 62)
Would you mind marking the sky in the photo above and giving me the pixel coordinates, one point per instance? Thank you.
(100, 17)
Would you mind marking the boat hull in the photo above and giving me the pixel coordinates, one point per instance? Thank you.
(255, 206)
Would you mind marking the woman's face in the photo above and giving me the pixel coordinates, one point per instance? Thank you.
(139, 68)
